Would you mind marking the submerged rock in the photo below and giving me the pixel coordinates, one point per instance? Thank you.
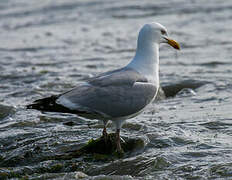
(103, 150)
(172, 90)
(184, 88)
(80, 175)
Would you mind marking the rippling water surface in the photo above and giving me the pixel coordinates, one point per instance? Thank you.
(48, 47)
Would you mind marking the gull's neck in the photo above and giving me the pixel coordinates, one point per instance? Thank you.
(146, 60)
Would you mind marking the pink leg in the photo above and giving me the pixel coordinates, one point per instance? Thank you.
(104, 133)
(119, 148)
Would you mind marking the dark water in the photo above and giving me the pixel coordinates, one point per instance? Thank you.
(48, 47)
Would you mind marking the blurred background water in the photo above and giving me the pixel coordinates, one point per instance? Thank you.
(48, 47)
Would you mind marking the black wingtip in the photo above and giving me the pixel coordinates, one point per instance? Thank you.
(49, 104)
(30, 106)
(35, 106)
(43, 104)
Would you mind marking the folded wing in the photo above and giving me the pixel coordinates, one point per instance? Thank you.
(115, 94)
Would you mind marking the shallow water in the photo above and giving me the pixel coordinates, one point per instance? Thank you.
(48, 47)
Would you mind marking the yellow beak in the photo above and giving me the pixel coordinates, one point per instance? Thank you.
(173, 43)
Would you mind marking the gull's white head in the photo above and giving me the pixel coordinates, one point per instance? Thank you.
(155, 33)
(146, 59)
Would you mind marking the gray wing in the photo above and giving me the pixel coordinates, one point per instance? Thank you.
(116, 94)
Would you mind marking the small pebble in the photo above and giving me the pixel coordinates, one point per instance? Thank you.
(80, 175)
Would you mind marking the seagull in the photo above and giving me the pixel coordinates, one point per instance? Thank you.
(119, 94)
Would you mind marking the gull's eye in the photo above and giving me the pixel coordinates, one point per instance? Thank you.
(163, 32)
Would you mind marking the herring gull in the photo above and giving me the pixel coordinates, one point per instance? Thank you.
(119, 94)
